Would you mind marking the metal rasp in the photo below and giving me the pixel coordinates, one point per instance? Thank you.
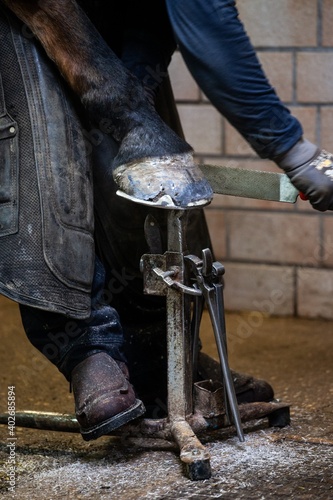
(246, 183)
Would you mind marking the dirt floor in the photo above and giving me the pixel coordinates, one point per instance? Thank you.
(295, 356)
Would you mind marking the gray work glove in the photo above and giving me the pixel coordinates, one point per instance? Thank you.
(313, 177)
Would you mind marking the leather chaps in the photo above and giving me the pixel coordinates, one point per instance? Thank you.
(46, 194)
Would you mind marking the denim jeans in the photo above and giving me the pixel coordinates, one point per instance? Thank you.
(66, 341)
(221, 58)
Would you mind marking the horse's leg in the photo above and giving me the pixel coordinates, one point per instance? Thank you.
(153, 163)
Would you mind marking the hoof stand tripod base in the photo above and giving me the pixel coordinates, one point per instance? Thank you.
(171, 274)
(188, 282)
(182, 277)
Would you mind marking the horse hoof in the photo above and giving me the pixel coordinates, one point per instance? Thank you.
(166, 181)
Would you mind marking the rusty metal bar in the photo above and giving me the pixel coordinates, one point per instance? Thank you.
(178, 324)
(195, 457)
(193, 454)
(278, 415)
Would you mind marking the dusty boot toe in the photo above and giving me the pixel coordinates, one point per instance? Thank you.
(173, 181)
(248, 389)
(104, 398)
(254, 390)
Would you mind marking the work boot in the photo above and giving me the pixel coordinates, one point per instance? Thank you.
(247, 388)
(104, 398)
(146, 353)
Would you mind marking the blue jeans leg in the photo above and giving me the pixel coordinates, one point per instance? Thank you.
(222, 60)
(67, 341)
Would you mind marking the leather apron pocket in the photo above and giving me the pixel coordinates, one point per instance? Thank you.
(9, 205)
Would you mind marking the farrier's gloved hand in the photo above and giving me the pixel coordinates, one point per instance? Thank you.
(311, 172)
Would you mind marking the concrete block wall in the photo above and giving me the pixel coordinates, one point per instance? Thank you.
(278, 257)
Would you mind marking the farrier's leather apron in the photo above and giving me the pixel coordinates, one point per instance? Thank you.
(46, 201)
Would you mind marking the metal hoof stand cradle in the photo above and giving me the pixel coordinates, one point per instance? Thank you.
(189, 282)
(205, 405)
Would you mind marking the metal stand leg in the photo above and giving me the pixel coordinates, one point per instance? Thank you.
(180, 404)
(169, 279)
